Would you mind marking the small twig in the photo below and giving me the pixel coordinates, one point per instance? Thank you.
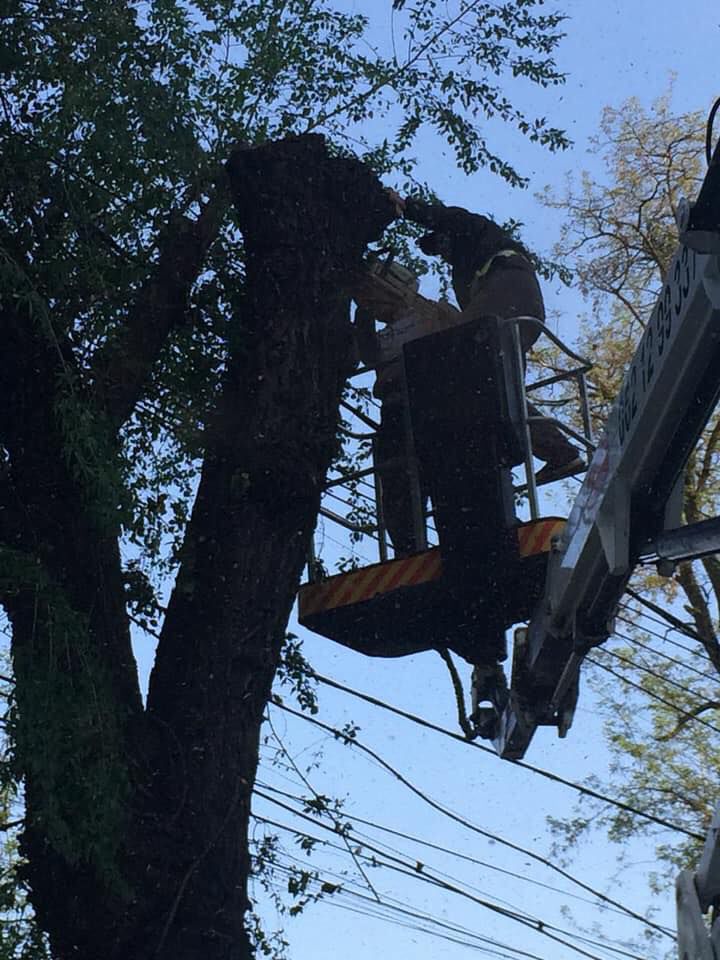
(335, 821)
(11, 825)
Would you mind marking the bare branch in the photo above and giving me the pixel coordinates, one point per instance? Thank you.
(123, 366)
(687, 716)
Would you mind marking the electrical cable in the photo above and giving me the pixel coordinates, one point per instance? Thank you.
(663, 656)
(654, 696)
(667, 616)
(392, 905)
(648, 670)
(397, 856)
(527, 920)
(446, 850)
(659, 653)
(486, 951)
(417, 870)
(669, 628)
(661, 623)
(344, 546)
(369, 533)
(413, 870)
(354, 742)
(548, 775)
(336, 823)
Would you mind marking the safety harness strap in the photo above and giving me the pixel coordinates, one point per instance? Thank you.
(483, 270)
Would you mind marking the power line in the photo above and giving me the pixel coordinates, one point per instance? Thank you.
(668, 617)
(665, 638)
(487, 951)
(542, 927)
(310, 787)
(344, 546)
(438, 847)
(648, 670)
(392, 906)
(661, 623)
(659, 653)
(354, 742)
(654, 696)
(669, 628)
(548, 775)
(386, 902)
(415, 872)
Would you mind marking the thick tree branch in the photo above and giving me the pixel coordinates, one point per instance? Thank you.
(687, 716)
(124, 365)
(712, 569)
(77, 691)
(698, 609)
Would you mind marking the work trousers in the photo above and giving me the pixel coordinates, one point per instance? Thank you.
(396, 476)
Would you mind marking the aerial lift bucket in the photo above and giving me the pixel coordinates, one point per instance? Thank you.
(488, 570)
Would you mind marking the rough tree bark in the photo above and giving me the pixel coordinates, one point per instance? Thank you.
(172, 881)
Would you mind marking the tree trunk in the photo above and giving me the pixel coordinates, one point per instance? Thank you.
(191, 759)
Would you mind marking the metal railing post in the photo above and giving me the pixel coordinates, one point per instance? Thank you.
(379, 509)
(584, 406)
(529, 468)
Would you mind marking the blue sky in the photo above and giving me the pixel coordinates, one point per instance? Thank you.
(612, 51)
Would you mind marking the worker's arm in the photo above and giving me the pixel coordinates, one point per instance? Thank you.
(436, 216)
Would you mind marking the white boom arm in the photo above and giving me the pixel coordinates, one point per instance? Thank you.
(668, 394)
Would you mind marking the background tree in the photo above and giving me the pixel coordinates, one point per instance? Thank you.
(617, 240)
(177, 247)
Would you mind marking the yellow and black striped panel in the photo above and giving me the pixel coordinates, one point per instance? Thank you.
(536, 536)
(359, 585)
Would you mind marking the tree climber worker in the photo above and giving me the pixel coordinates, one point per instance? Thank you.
(492, 274)
(392, 298)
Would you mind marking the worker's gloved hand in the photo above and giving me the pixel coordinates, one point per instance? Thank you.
(397, 201)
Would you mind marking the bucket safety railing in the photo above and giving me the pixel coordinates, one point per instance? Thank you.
(575, 375)
(353, 499)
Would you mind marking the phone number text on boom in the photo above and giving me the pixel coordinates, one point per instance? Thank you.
(655, 341)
